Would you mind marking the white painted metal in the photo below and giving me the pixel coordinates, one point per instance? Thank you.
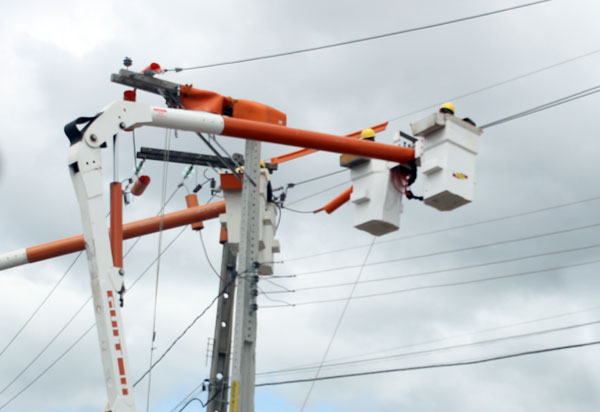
(187, 120)
(450, 146)
(14, 258)
(376, 204)
(86, 173)
(268, 213)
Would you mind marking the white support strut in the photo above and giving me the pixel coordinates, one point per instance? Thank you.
(86, 173)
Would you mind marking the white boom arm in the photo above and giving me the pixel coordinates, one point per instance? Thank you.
(85, 165)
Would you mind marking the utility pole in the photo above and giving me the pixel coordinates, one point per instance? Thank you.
(219, 369)
(244, 345)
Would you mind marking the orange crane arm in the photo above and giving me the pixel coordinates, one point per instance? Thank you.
(303, 152)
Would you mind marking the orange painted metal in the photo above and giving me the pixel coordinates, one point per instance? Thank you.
(153, 67)
(223, 236)
(266, 132)
(116, 223)
(130, 230)
(192, 201)
(303, 152)
(230, 182)
(140, 185)
(207, 101)
(337, 201)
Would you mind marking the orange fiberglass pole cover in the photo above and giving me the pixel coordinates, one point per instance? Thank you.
(207, 101)
(130, 230)
(337, 201)
(272, 133)
(303, 152)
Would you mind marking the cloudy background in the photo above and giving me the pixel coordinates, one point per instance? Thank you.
(58, 57)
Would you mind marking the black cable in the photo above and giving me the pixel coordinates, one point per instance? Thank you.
(451, 228)
(182, 334)
(312, 179)
(494, 85)
(433, 366)
(440, 285)
(36, 357)
(16, 335)
(85, 333)
(575, 96)
(320, 192)
(410, 275)
(443, 252)
(435, 350)
(204, 405)
(310, 212)
(48, 368)
(452, 337)
(359, 40)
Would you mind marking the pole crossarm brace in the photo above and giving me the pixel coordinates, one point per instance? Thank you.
(123, 115)
(197, 159)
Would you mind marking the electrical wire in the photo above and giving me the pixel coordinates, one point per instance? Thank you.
(35, 312)
(319, 192)
(485, 245)
(313, 179)
(433, 366)
(160, 237)
(402, 259)
(450, 228)
(63, 354)
(436, 286)
(36, 357)
(304, 212)
(358, 40)
(410, 275)
(182, 334)
(435, 350)
(494, 85)
(575, 96)
(5, 404)
(446, 338)
(207, 257)
(337, 326)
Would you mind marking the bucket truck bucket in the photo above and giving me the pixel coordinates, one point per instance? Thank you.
(450, 146)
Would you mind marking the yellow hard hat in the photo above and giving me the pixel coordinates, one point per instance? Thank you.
(367, 133)
(447, 108)
(263, 164)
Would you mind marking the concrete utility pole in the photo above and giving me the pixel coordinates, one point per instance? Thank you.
(219, 369)
(244, 344)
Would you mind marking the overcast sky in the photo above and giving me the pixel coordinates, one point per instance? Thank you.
(58, 57)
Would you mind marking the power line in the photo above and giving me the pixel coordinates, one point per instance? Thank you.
(433, 366)
(446, 338)
(402, 259)
(501, 242)
(5, 404)
(436, 350)
(387, 278)
(182, 334)
(575, 96)
(319, 192)
(451, 228)
(163, 203)
(66, 325)
(337, 326)
(88, 330)
(359, 40)
(16, 335)
(441, 285)
(500, 83)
